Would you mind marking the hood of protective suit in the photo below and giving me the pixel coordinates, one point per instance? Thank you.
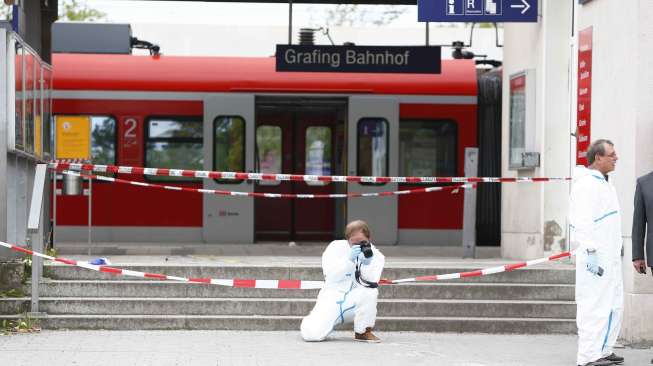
(581, 171)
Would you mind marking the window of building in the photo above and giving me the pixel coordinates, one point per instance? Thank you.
(269, 152)
(373, 147)
(29, 98)
(47, 108)
(427, 148)
(19, 121)
(174, 143)
(229, 145)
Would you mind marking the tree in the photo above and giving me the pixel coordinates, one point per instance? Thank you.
(356, 15)
(75, 11)
(70, 10)
(6, 12)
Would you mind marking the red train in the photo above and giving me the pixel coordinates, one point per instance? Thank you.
(238, 114)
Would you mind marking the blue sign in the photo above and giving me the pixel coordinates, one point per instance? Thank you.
(469, 11)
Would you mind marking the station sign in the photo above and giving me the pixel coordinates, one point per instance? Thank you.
(468, 11)
(372, 59)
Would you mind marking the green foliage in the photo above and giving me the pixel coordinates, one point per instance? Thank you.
(6, 12)
(76, 11)
(69, 10)
(356, 15)
(52, 252)
(27, 268)
(25, 324)
(14, 292)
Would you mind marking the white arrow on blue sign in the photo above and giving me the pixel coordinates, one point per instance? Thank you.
(477, 11)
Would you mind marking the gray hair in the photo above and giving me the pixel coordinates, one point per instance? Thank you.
(597, 147)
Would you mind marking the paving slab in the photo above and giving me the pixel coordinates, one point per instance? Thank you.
(243, 348)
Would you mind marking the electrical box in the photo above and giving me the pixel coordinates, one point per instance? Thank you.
(91, 38)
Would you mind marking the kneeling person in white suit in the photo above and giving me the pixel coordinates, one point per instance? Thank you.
(352, 268)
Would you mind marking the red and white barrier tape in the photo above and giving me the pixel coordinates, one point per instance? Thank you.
(480, 272)
(453, 189)
(284, 284)
(287, 177)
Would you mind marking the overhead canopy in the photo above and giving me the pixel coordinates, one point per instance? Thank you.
(356, 2)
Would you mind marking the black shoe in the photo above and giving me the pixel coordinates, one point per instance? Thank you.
(617, 360)
(599, 362)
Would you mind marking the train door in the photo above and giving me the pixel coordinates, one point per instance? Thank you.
(373, 127)
(228, 138)
(301, 140)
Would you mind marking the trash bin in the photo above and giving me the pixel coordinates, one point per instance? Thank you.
(72, 185)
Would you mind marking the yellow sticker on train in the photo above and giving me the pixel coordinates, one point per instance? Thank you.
(73, 137)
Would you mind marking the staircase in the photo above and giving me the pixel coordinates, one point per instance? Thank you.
(538, 300)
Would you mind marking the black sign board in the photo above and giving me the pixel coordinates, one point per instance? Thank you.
(386, 59)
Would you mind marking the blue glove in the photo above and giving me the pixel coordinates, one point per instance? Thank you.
(593, 264)
(354, 253)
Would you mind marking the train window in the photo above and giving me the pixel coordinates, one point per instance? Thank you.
(373, 147)
(268, 152)
(427, 148)
(174, 143)
(229, 145)
(103, 140)
(318, 153)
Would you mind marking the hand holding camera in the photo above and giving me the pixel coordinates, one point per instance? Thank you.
(354, 253)
(364, 247)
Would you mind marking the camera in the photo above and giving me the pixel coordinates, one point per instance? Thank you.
(366, 248)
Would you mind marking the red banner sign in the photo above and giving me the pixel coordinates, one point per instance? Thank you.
(584, 107)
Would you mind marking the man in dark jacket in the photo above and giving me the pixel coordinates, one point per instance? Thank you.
(643, 223)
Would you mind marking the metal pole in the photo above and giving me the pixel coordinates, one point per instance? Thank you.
(427, 33)
(54, 208)
(90, 188)
(90, 212)
(35, 229)
(289, 22)
(54, 179)
(469, 210)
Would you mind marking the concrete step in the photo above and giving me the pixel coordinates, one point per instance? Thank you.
(269, 323)
(546, 275)
(14, 305)
(294, 307)
(443, 291)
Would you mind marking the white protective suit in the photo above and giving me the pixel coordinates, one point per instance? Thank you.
(595, 221)
(342, 299)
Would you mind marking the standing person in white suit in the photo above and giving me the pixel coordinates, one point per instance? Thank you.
(352, 269)
(595, 222)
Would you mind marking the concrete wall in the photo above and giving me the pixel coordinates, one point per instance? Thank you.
(622, 90)
(530, 210)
